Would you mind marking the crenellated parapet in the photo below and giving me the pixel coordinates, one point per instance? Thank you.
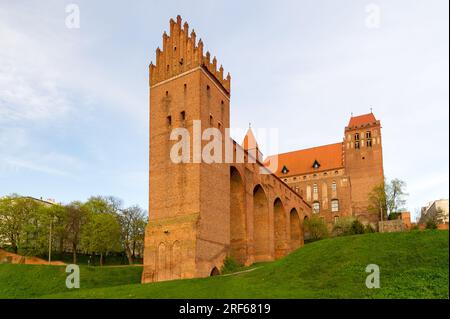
(181, 53)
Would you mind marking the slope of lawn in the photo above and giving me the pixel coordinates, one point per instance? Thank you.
(30, 281)
(412, 265)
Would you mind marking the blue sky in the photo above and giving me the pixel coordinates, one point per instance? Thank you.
(74, 102)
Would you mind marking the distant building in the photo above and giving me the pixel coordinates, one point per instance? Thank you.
(46, 202)
(437, 209)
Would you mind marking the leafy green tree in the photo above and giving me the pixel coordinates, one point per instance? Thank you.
(103, 204)
(101, 234)
(378, 201)
(36, 230)
(17, 217)
(75, 218)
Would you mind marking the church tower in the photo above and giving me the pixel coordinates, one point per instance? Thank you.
(188, 231)
(363, 162)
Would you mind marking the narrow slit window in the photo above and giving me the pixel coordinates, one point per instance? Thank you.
(183, 115)
(169, 120)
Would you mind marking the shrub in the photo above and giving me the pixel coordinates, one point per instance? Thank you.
(393, 216)
(343, 226)
(369, 229)
(431, 224)
(230, 265)
(316, 228)
(356, 228)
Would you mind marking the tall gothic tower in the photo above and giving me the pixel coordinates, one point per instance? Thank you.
(363, 162)
(188, 231)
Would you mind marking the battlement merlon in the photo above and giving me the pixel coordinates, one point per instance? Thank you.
(181, 53)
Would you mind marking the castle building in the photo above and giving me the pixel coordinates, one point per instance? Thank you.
(202, 211)
(336, 179)
(217, 199)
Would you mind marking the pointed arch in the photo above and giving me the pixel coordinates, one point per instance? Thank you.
(280, 229)
(215, 272)
(305, 230)
(261, 240)
(176, 260)
(162, 262)
(295, 227)
(238, 227)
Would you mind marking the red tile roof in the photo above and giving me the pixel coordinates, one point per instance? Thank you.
(361, 120)
(301, 161)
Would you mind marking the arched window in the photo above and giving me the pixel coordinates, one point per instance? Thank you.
(335, 205)
(316, 207)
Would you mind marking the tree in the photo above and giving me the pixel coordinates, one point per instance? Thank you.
(75, 219)
(378, 201)
(316, 228)
(431, 224)
(132, 228)
(16, 214)
(101, 234)
(396, 195)
(387, 198)
(60, 229)
(103, 204)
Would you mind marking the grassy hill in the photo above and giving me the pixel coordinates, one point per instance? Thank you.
(412, 265)
(32, 281)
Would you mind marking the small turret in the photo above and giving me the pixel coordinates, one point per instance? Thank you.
(251, 146)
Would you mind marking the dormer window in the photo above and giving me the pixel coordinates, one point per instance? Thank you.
(316, 164)
(284, 170)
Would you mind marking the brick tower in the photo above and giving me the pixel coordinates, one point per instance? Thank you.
(363, 162)
(188, 232)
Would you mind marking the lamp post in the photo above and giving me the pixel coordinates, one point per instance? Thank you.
(50, 243)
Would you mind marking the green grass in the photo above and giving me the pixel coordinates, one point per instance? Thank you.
(31, 281)
(412, 265)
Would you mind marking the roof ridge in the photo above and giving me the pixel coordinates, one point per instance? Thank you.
(306, 149)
